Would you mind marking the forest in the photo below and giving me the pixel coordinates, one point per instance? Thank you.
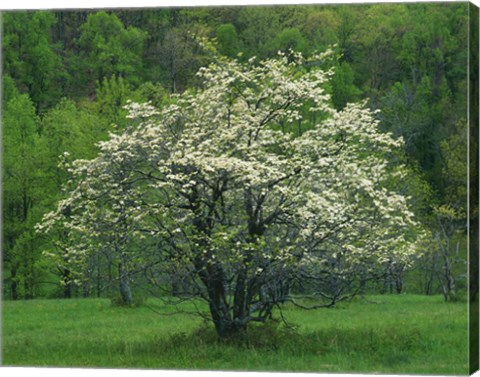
(244, 164)
(68, 74)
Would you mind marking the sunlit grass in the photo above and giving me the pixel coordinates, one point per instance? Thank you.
(388, 334)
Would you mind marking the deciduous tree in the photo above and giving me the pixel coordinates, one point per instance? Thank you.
(239, 207)
(20, 190)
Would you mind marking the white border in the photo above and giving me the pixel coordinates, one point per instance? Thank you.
(70, 372)
(83, 4)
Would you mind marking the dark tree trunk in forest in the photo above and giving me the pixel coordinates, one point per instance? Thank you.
(66, 279)
(398, 285)
(13, 284)
(239, 309)
(86, 290)
(448, 286)
(125, 291)
(67, 287)
(110, 276)
(431, 275)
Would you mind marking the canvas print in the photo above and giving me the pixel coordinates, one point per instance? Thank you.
(254, 188)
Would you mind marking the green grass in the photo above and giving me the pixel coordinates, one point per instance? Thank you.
(396, 334)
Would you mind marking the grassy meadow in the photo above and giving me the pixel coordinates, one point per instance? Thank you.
(382, 334)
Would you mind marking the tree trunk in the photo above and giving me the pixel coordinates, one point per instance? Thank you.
(14, 284)
(86, 289)
(214, 279)
(448, 278)
(67, 287)
(110, 276)
(399, 285)
(239, 306)
(125, 291)
(99, 276)
(225, 327)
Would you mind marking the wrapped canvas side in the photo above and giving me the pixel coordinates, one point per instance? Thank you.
(473, 187)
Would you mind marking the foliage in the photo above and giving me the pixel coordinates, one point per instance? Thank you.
(290, 39)
(179, 58)
(111, 95)
(30, 57)
(258, 27)
(343, 88)
(20, 178)
(228, 40)
(320, 27)
(156, 94)
(110, 48)
(454, 152)
(9, 89)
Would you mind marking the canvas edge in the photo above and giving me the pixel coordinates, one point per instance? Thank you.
(473, 186)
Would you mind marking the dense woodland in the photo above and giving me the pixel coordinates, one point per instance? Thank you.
(68, 74)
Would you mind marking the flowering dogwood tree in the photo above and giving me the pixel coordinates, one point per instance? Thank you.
(237, 202)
